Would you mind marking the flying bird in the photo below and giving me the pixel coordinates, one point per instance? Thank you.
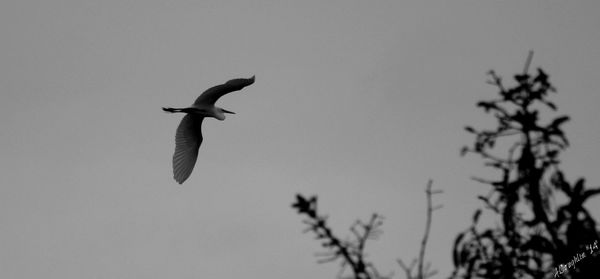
(189, 132)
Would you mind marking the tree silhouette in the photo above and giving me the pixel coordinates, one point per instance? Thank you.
(351, 252)
(543, 229)
(536, 236)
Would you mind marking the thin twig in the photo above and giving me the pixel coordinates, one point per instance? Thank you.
(427, 228)
(423, 272)
(528, 62)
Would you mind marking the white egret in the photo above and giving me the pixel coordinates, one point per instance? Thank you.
(189, 134)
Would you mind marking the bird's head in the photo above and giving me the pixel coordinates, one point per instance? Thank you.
(241, 82)
(222, 112)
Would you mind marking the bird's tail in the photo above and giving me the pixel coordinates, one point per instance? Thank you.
(171, 110)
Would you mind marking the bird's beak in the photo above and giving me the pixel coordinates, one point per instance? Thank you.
(226, 111)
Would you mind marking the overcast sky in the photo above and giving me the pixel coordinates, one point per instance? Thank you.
(359, 102)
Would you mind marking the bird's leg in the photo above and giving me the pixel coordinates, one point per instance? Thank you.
(172, 110)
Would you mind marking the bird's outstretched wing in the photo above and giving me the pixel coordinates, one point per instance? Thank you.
(211, 95)
(187, 141)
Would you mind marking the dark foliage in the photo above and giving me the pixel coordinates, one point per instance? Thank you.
(536, 237)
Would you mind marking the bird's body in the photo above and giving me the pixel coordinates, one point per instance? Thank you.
(189, 133)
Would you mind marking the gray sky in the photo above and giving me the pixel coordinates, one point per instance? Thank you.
(359, 102)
